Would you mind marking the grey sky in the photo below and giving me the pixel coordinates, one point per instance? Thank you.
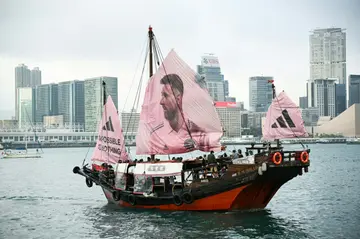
(78, 39)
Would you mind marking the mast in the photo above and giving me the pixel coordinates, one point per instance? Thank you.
(274, 95)
(104, 92)
(151, 39)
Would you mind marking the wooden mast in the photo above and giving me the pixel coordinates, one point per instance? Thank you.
(151, 39)
(274, 95)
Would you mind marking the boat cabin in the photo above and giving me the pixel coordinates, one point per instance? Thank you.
(162, 177)
(148, 177)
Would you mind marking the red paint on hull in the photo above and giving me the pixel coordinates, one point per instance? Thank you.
(256, 195)
(217, 202)
(250, 196)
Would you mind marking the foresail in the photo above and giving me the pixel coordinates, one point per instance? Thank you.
(283, 120)
(178, 114)
(110, 146)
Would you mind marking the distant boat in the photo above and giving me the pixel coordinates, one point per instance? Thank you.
(9, 154)
(20, 153)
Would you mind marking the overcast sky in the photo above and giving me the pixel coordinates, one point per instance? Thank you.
(70, 39)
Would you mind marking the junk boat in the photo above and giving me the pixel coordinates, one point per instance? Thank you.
(178, 118)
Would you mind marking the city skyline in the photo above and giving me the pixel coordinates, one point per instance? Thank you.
(276, 43)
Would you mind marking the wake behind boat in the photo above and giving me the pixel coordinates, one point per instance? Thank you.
(178, 117)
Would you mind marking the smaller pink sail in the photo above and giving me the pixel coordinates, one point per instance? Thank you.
(283, 120)
(110, 146)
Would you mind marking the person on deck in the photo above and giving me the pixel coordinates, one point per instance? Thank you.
(213, 164)
(234, 155)
(240, 153)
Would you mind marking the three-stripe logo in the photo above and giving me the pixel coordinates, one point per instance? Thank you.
(108, 125)
(281, 122)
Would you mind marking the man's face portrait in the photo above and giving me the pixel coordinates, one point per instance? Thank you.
(170, 98)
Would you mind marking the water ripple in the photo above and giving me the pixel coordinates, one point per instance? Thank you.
(40, 202)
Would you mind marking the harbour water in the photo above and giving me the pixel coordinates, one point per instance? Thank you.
(42, 198)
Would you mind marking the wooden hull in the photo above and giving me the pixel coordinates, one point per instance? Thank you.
(254, 193)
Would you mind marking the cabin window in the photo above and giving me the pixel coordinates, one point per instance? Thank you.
(143, 184)
(120, 181)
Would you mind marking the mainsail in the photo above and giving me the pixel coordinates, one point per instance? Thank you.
(110, 146)
(283, 120)
(178, 114)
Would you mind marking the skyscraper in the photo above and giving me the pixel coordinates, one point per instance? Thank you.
(25, 106)
(71, 101)
(303, 102)
(321, 94)
(328, 54)
(354, 89)
(260, 93)
(211, 71)
(54, 99)
(25, 78)
(328, 60)
(94, 98)
(22, 79)
(46, 101)
(35, 77)
(42, 105)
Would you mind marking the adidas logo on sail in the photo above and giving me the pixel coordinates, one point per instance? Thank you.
(280, 120)
(108, 126)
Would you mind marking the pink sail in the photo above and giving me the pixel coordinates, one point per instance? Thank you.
(178, 114)
(110, 146)
(283, 120)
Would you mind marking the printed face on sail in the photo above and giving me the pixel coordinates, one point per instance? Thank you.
(171, 96)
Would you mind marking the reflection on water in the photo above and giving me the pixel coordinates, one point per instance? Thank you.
(110, 221)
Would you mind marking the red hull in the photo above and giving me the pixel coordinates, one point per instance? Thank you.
(251, 196)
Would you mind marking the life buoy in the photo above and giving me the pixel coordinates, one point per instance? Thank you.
(131, 199)
(116, 195)
(177, 200)
(187, 198)
(304, 157)
(89, 182)
(277, 158)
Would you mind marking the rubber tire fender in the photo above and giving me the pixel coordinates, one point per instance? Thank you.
(177, 200)
(116, 195)
(88, 182)
(187, 197)
(132, 199)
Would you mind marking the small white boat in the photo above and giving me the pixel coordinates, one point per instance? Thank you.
(20, 154)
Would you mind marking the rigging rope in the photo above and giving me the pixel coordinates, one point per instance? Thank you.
(34, 130)
(99, 117)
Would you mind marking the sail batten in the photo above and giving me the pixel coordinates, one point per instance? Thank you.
(110, 145)
(283, 120)
(178, 114)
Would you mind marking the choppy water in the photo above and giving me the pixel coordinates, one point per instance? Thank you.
(42, 198)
